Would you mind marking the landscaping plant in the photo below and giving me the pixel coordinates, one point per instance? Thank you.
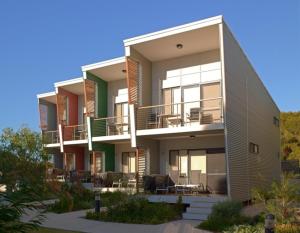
(280, 199)
(138, 211)
(224, 215)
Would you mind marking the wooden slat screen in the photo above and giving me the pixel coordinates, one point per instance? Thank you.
(132, 80)
(141, 166)
(60, 108)
(90, 94)
(43, 109)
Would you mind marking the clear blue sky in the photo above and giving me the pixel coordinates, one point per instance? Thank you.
(42, 42)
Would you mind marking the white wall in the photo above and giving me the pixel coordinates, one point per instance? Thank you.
(160, 68)
(203, 142)
(112, 92)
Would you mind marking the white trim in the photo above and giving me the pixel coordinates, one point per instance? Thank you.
(111, 138)
(174, 30)
(44, 95)
(75, 142)
(101, 64)
(60, 138)
(90, 144)
(132, 125)
(68, 82)
(183, 129)
(52, 145)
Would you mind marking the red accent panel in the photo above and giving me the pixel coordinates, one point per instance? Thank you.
(73, 106)
(79, 155)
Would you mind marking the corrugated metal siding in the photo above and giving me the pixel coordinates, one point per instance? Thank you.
(248, 118)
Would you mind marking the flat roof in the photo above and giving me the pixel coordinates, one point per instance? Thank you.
(68, 82)
(174, 30)
(104, 63)
(47, 94)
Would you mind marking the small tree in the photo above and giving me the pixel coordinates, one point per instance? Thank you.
(280, 199)
(22, 159)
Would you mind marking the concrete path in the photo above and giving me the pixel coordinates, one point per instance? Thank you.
(75, 221)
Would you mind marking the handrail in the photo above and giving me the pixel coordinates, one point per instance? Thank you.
(188, 102)
(75, 132)
(108, 118)
(73, 126)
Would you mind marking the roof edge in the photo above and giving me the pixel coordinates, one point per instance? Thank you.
(174, 30)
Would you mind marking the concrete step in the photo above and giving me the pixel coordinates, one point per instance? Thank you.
(202, 204)
(197, 210)
(194, 216)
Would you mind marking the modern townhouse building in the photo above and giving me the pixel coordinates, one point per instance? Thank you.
(183, 102)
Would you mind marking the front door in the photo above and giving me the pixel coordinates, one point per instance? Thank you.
(97, 162)
(70, 163)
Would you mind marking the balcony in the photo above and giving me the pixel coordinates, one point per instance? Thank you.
(111, 126)
(50, 136)
(184, 114)
(75, 132)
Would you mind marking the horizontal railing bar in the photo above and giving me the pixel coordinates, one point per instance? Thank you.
(107, 118)
(74, 126)
(163, 105)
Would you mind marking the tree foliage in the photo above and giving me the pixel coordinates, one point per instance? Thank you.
(290, 135)
(22, 159)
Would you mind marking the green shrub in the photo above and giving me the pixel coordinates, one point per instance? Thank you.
(71, 198)
(139, 211)
(224, 215)
(259, 228)
(64, 204)
(287, 228)
(113, 198)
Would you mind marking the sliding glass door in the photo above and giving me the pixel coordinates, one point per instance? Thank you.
(188, 166)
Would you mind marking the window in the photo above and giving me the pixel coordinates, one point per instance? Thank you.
(276, 121)
(128, 162)
(66, 110)
(253, 148)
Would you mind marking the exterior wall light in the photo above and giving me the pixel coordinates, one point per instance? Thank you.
(179, 46)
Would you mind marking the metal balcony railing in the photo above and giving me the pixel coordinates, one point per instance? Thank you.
(111, 126)
(50, 136)
(75, 132)
(205, 111)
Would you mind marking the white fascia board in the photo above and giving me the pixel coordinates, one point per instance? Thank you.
(44, 95)
(174, 30)
(68, 82)
(103, 64)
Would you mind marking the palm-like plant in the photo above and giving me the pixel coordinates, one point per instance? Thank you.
(12, 206)
(281, 199)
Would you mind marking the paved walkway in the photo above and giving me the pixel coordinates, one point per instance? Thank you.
(75, 221)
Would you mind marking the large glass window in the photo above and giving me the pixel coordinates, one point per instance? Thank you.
(128, 162)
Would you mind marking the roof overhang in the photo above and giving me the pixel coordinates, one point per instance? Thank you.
(75, 86)
(195, 37)
(49, 97)
(109, 70)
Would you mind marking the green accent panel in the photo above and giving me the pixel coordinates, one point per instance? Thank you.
(109, 150)
(102, 94)
(99, 127)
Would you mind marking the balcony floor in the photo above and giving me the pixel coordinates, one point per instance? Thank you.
(183, 131)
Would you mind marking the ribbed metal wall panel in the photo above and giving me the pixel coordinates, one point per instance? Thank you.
(249, 112)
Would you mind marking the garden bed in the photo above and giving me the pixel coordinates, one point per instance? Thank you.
(139, 211)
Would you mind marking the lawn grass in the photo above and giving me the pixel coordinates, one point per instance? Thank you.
(52, 230)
